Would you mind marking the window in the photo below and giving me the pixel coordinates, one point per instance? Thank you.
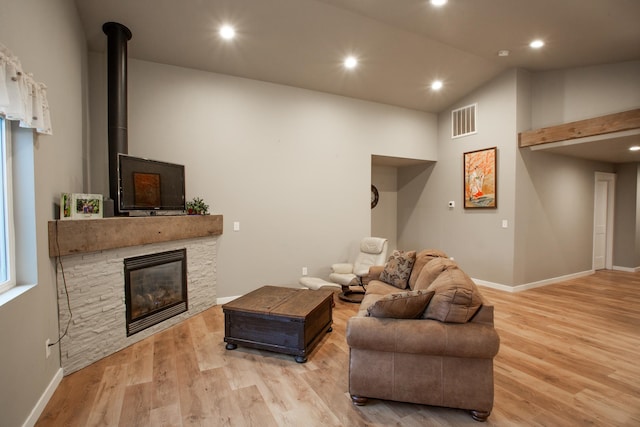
(7, 259)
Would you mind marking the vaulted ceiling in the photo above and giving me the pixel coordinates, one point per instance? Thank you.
(401, 45)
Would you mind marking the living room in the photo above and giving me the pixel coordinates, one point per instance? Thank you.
(293, 167)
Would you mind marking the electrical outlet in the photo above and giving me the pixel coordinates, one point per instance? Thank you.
(47, 348)
(236, 226)
(304, 271)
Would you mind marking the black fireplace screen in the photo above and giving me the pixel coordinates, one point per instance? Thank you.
(155, 288)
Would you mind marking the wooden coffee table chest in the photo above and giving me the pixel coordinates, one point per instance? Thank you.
(284, 320)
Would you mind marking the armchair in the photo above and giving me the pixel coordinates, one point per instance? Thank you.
(373, 251)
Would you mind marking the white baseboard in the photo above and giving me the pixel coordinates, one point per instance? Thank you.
(44, 399)
(532, 285)
(226, 299)
(493, 285)
(627, 269)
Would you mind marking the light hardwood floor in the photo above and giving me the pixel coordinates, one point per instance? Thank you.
(569, 357)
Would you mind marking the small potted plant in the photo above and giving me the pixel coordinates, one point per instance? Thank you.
(197, 206)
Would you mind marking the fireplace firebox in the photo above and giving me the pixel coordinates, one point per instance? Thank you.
(155, 288)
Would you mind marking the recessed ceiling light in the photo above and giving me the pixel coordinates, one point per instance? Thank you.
(438, 3)
(350, 62)
(436, 85)
(536, 44)
(227, 32)
(503, 52)
(634, 148)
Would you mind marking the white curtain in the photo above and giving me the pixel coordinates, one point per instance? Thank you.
(21, 97)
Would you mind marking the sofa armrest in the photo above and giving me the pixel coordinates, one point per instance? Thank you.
(423, 336)
(483, 315)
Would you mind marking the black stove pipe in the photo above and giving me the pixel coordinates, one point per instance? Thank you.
(117, 37)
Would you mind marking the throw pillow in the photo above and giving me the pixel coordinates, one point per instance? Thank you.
(422, 258)
(398, 268)
(432, 270)
(401, 305)
(456, 297)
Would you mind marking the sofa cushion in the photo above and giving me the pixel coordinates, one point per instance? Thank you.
(456, 297)
(431, 271)
(422, 259)
(378, 287)
(375, 291)
(398, 268)
(401, 305)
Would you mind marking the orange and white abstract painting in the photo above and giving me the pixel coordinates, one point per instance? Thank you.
(480, 179)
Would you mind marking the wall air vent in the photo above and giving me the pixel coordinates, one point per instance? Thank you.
(463, 121)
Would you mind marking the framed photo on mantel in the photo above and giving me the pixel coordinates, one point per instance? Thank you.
(80, 206)
(480, 179)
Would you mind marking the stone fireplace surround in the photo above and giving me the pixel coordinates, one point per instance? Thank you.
(95, 279)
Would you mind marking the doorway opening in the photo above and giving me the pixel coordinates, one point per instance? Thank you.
(604, 199)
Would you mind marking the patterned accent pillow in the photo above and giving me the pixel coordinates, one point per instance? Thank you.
(401, 305)
(397, 270)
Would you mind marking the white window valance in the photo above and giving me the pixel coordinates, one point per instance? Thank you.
(21, 97)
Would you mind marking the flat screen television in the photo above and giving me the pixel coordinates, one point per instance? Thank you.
(150, 187)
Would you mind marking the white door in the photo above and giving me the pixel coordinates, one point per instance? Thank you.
(603, 221)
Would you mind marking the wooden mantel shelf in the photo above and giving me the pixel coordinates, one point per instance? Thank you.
(91, 235)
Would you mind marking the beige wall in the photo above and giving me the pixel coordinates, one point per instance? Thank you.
(546, 199)
(556, 215)
(292, 166)
(384, 217)
(473, 237)
(554, 210)
(47, 37)
(562, 96)
(580, 93)
(626, 252)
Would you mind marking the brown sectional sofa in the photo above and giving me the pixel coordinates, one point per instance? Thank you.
(444, 357)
